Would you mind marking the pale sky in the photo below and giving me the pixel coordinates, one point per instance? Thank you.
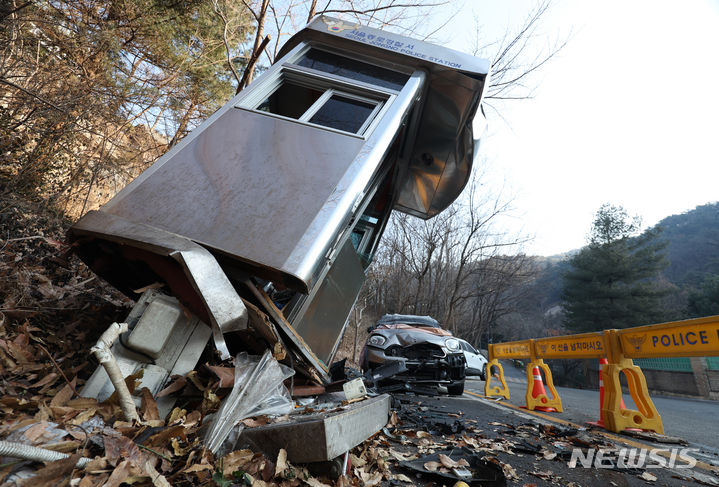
(625, 114)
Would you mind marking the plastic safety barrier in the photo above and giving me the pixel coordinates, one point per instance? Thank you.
(618, 419)
(502, 351)
(524, 349)
(689, 338)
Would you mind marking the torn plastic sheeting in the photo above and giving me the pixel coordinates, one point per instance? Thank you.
(258, 390)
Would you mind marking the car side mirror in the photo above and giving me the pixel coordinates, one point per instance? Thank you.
(369, 329)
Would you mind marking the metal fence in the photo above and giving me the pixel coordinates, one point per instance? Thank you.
(712, 363)
(670, 364)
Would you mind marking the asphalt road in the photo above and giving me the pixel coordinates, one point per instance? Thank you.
(696, 421)
(516, 434)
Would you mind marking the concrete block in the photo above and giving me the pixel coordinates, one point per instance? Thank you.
(320, 437)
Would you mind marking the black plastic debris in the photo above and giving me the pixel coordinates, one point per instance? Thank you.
(528, 446)
(480, 472)
(432, 420)
(557, 431)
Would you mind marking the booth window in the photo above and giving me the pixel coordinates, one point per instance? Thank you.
(290, 100)
(328, 62)
(328, 90)
(343, 113)
(320, 103)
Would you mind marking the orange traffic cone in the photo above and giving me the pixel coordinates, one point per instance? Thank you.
(600, 423)
(538, 390)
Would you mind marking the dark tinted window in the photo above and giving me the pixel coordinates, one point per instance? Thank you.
(343, 113)
(350, 68)
(290, 100)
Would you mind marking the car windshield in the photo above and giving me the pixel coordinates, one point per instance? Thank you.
(411, 320)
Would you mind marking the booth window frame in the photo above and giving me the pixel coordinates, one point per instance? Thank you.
(332, 85)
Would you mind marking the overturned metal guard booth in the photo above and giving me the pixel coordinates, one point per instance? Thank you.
(279, 199)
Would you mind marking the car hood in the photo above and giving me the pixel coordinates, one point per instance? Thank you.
(407, 336)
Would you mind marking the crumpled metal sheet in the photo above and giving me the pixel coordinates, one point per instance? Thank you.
(223, 306)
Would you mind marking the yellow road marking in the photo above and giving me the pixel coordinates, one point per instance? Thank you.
(610, 436)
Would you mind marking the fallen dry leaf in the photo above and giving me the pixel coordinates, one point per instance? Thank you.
(67, 446)
(121, 447)
(648, 477)
(508, 470)
(402, 457)
(449, 463)
(161, 438)
(432, 466)
(83, 416)
(62, 397)
(281, 463)
(548, 455)
(313, 482)
(48, 379)
(177, 414)
(93, 480)
(35, 432)
(237, 460)
(402, 478)
(121, 474)
(198, 467)
(470, 441)
(255, 422)
(546, 475)
(96, 464)
(226, 375)
(148, 406)
(178, 450)
(175, 386)
(369, 479)
(357, 461)
(54, 473)
(158, 480)
(192, 418)
(393, 420)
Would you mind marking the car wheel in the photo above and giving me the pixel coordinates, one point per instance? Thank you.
(483, 375)
(456, 389)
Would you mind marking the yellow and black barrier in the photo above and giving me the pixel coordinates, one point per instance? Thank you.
(690, 338)
(511, 350)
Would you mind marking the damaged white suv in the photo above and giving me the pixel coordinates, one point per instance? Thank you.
(414, 351)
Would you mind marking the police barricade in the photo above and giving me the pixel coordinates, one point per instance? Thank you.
(509, 350)
(690, 338)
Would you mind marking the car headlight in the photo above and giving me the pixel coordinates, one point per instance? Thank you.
(376, 340)
(452, 344)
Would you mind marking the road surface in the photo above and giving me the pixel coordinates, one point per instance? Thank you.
(526, 443)
(694, 420)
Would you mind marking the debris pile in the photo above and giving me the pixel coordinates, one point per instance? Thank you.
(53, 311)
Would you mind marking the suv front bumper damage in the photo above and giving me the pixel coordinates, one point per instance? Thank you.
(433, 370)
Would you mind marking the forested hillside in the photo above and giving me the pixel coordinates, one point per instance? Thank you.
(692, 277)
(693, 250)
